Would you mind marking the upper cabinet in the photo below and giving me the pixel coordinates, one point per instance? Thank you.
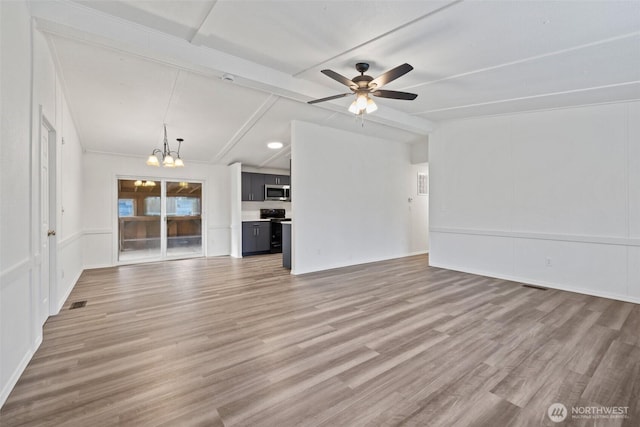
(277, 180)
(253, 185)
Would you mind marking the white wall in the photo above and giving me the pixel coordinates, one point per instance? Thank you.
(48, 96)
(29, 83)
(69, 204)
(550, 198)
(18, 316)
(100, 173)
(350, 197)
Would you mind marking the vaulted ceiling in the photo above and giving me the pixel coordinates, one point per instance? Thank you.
(130, 66)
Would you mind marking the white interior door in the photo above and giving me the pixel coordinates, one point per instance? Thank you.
(44, 217)
(48, 220)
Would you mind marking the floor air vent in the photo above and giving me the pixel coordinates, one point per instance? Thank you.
(540, 288)
(78, 304)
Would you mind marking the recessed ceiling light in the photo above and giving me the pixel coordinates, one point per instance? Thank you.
(275, 145)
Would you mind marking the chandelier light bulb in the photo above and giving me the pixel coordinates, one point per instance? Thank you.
(178, 163)
(153, 160)
(168, 161)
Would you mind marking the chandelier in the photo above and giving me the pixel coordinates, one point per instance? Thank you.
(170, 159)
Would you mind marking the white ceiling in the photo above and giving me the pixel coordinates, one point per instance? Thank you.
(129, 66)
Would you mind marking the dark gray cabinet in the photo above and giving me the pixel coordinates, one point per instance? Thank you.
(256, 237)
(252, 187)
(277, 179)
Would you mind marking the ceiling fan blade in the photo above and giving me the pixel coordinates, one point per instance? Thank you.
(329, 98)
(394, 94)
(390, 75)
(339, 78)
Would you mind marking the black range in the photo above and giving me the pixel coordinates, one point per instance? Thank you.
(276, 216)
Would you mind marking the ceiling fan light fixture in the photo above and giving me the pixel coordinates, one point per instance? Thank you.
(353, 108)
(371, 106)
(363, 85)
(361, 101)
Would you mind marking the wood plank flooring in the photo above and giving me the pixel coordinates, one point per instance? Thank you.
(227, 342)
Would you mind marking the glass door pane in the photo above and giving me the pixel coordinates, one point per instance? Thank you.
(184, 221)
(139, 213)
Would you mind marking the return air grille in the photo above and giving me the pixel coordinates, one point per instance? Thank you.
(78, 304)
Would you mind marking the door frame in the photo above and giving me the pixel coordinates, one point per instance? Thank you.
(163, 223)
(52, 193)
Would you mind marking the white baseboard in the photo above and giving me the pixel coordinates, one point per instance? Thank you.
(62, 300)
(359, 262)
(542, 283)
(15, 376)
(418, 253)
(94, 266)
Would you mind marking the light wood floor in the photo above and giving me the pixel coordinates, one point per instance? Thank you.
(240, 342)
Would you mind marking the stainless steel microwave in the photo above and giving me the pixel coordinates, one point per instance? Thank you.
(277, 192)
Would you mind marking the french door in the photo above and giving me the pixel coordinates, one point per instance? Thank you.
(159, 219)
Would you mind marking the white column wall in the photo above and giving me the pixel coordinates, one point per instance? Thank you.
(350, 195)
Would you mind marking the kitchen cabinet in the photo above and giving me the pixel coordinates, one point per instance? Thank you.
(256, 237)
(277, 179)
(252, 187)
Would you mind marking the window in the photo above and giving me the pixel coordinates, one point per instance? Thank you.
(176, 206)
(126, 207)
(423, 184)
(152, 206)
(183, 206)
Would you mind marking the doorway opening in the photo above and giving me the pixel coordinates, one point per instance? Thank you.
(159, 219)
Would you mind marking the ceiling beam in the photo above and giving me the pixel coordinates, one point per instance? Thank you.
(246, 126)
(630, 84)
(72, 20)
(283, 152)
(196, 37)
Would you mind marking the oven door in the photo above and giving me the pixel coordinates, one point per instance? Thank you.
(276, 237)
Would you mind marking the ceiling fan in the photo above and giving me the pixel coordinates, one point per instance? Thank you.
(364, 85)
